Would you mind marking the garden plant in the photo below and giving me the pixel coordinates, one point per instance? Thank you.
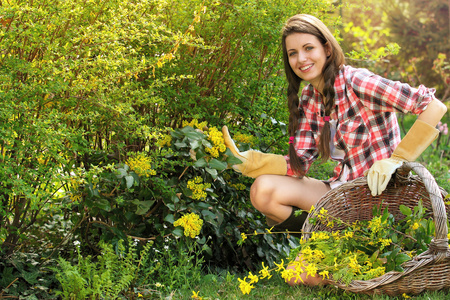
(116, 183)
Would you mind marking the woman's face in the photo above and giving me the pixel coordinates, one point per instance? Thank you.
(307, 57)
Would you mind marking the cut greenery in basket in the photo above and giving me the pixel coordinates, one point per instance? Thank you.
(362, 250)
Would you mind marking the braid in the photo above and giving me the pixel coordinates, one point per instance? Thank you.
(328, 94)
(294, 115)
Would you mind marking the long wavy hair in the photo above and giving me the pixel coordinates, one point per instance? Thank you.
(303, 23)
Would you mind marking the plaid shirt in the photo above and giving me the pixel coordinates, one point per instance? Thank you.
(367, 128)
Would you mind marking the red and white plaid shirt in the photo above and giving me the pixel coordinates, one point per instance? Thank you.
(367, 128)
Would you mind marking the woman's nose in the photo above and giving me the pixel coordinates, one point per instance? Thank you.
(301, 57)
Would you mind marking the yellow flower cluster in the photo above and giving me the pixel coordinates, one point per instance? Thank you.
(195, 124)
(191, 223)
(216, 138)
(245, 286)
(75, 182)
(141, 164)
(244, 138)
(198, 188)
(164, 140)
(238, 186)
(319, 236)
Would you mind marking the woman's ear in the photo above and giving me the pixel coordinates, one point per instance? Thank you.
(328, 50)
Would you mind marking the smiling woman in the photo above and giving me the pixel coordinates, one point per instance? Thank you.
(344, 114)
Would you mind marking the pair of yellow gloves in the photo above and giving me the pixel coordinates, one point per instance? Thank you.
(418, 138)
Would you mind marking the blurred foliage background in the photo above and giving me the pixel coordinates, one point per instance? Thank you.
(111, 113)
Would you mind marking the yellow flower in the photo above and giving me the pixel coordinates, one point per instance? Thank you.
(324, 274)
(311, 270)
(312, 209)
(140, 295)
(319, 236)
(405, 296)
(198, 188)
(265, 272)
(245, 286)
(354, 265)
(141, 165)
(253, 278)
(280, 266)
(191, 223)
(385, 242)
(319, 254)
(348, 235)
(288, 274)
(335, 235)
(195, 124)
(166, 139)
(243, 236)
(196, 296)
(307, 253)
(415, 226)
(244, 138)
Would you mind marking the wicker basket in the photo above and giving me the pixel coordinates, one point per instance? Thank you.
(353, 201)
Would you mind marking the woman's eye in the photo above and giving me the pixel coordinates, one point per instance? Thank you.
(309, 48)
(291, 54)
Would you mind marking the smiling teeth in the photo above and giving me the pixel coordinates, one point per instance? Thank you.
(305, 68)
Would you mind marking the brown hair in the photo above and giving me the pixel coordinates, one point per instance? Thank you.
(303, 23)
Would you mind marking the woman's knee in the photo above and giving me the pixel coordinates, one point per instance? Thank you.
(261, 191)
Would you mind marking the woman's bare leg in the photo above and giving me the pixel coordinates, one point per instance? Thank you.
(275, 195)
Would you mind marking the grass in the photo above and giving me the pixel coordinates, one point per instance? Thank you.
(226, 286)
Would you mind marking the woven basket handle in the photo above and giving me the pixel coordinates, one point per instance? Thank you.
(439, 245)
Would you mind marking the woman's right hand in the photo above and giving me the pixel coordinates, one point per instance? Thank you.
(255, 163)
(232, 146)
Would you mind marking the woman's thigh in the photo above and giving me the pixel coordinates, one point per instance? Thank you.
(275, 195)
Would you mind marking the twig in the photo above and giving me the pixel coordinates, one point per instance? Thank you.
(12, 297)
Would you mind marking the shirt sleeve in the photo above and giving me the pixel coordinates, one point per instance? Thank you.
(381, 94)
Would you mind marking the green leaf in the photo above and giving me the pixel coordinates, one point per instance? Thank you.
(401, 258)
(233, 160)
(208, 215)
(122, 172)
(169, 218)
(178, 232)
(180, 145)
(194, 135)
(213, 172)
(195, 144)
(130, 180)
(218, 165)
(207, 144)
(200, 163)
(203, 205)
(103, 204)
(143, 206)
(405, 210)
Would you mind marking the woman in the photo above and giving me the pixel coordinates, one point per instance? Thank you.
(345, 114)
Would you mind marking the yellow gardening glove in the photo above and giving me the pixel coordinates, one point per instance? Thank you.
(255, 163)
(418, 138)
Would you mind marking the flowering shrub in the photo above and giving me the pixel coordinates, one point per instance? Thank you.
(182, 187)
(361, 251)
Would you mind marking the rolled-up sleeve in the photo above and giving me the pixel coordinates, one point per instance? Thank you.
(381, 94)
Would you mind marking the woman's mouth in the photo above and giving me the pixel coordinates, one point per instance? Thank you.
(306, 68)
